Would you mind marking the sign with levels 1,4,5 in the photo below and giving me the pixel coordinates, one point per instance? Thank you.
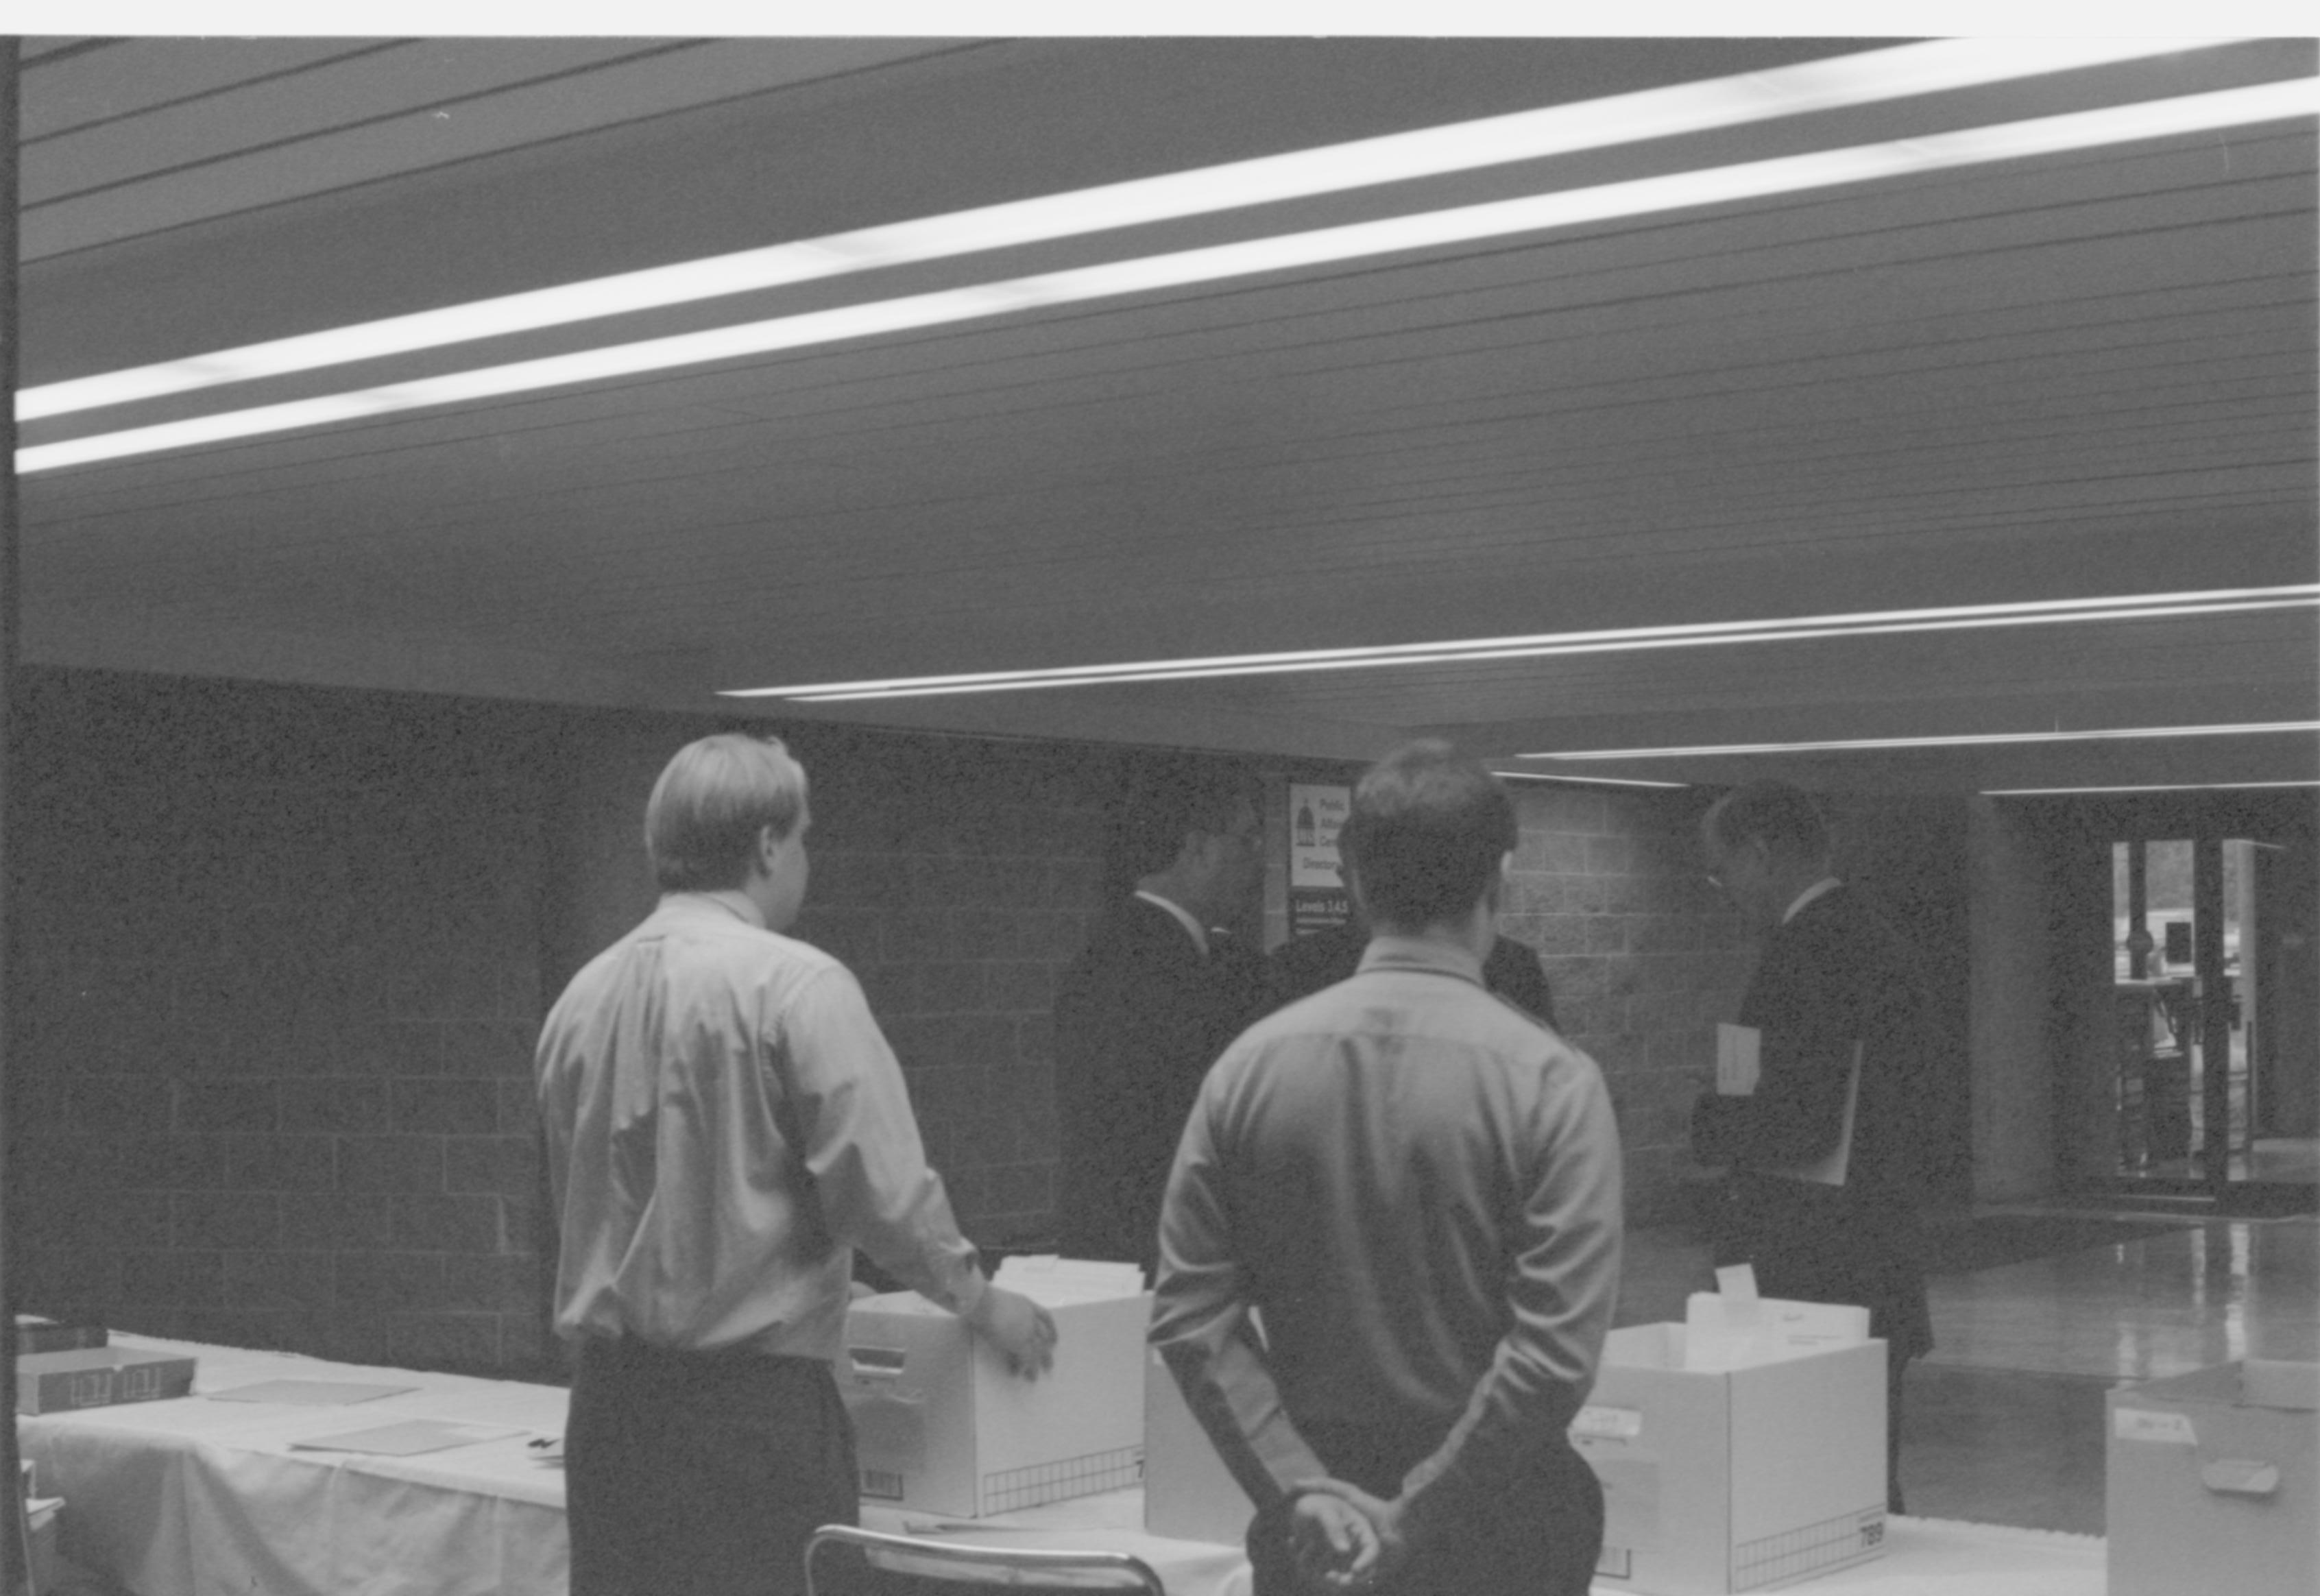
(1317, 899)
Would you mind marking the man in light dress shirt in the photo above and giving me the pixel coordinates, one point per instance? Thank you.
(1414, 1187)
(725, 1125)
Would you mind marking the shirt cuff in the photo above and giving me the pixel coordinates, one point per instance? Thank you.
(967, 1295)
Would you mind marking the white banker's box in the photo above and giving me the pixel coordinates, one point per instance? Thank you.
(1756, 1460)
(1189, 1495)
(941, 1425)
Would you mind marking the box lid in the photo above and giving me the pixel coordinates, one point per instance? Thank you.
(1056, 1282)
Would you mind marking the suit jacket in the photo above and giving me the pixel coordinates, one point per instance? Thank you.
(1140, 1017)
(1836, 974)
(1303, 965)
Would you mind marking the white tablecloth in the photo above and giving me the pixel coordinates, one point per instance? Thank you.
(202, 1497)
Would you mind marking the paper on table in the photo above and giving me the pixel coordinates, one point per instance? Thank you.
(1739, 1050)
(308, 1393)
(406, 1439)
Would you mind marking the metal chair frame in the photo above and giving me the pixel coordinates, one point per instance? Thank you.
(987, 1568)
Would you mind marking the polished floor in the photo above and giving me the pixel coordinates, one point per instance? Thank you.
(2004, 1421)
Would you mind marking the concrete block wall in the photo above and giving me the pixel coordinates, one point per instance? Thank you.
(271, 1046)
(957, 879)
(1643, 957)
(285, 953)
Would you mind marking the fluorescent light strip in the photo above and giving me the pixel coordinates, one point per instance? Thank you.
(2178, 787)
(1110, 675)
(1857, 79)
(1591, 780)
(1976, 739)
(1185, 269)
(1865, 623)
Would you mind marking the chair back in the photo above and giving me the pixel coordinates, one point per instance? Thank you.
(843, 1561)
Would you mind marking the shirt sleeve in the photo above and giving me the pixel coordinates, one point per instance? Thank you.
(1561, 1292)
(859, 1140)
(1202, 1327)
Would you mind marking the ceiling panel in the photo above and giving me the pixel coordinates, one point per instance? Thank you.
(2077, 375)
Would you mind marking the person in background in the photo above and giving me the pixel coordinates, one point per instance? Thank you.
(1834, 976)
(1303, 965)
(1149, 1003)
(1415, 1189)
(725, 1124)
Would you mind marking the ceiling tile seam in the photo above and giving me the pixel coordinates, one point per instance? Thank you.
(465, 518)
(1038, 383)
(354, 126)
(530, 147)
(31, 87)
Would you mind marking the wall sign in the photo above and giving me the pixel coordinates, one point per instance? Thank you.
(1318, 898)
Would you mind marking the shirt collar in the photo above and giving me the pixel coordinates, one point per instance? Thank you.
(701, 905)
(1821, 888)
(1388, 951)
(1192, 927)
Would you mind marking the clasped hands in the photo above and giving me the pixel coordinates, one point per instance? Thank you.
(1343, 1539)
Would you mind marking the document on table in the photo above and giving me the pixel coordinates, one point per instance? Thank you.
(406, 1439)
(308, 1393)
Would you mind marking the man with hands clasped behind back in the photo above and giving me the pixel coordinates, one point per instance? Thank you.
(1390, 1241)
(725, 1125)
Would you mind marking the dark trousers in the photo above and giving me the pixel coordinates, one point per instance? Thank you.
(1538, 1533)
(703, 1473)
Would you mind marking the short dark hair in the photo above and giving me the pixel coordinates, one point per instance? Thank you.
(1425, 834)
(707, 810)
(1164, 797)
(1783, 818)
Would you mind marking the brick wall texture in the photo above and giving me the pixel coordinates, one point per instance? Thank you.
(282, 961)
(272, 1041)
(1642, 954)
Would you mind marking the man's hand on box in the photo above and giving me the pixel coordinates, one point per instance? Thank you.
(1023, 1332)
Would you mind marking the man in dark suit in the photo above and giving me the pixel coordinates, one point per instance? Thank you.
(1834, 976)
(1303, 965)
(1150, 1002)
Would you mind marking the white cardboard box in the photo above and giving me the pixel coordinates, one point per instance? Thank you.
(942, 1427)
(1724, 1332)
(2212, 1485)
(1717, 1480)
(1189, 1495)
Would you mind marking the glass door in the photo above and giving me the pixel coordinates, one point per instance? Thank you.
(2152, 988)
(2209, 957)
